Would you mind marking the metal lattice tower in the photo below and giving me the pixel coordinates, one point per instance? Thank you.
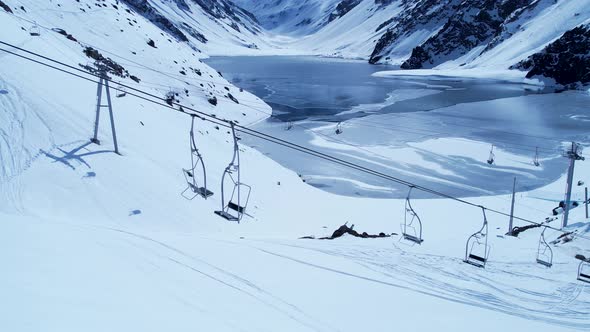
(573, 154)
(103, 83)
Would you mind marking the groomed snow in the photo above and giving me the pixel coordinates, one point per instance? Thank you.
(94, 241)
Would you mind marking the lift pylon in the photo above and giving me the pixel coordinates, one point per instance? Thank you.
(103, 83)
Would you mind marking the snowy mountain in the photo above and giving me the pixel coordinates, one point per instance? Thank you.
(424, 33)
(295, 17)
(567, 60)
(91, 240)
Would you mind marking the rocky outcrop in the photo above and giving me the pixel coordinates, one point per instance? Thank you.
(473, 23)
(143, 8)
(219, 10)
(5, 7)
(566, 61)
(342, 9)
(223, 9)
(427, 15)
(457, 26)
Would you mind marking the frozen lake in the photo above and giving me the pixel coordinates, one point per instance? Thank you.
(431, 131)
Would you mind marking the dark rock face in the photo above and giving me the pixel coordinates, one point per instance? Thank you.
(217, 9)
(419, 56)
(143, 8)
(474, 23)
(222, 9)
(567, 60)
(105, 66)
(5, 7)
(415, 15)
(345, 229)
(343, 8)
(461, 26)
(194, 33)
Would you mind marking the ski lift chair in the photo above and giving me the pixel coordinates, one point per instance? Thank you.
(477, 249)
(234, 208)
(583, 269)
(536, 159)
(289, 126)
(339, 128)
(492, 156)
(544, 251)
(121, 91)
(197, 165)
(35, 31)
(412, 226)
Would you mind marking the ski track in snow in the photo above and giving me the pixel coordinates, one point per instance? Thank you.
(233, 281)
(426, 274)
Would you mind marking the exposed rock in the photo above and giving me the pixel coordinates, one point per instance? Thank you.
(517, 230)
(474, 23)
(64, 33)
(143, 8)
(105, 65)
(343, 8)
(458, 27)
(566, 61)
(224, 9)
(5, 7)
(234, 99)
(344, 229)
(194, 33)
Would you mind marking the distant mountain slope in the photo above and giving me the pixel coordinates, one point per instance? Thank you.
(296, 17)
(567, 60)
(422, 33)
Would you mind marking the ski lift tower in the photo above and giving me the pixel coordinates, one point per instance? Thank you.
(103, 84)
(573, 154)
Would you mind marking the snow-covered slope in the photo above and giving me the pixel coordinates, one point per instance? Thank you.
(292, 17)
(426, 33)
(206, 25)
(95, 241)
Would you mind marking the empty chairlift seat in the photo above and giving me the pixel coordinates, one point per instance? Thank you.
(233, 206)
(544, 251)
(192, 175)
(339, 129)
(536, 161)
(35, 31)
(583, 268)
(122, 91)
(412, 226)
(492, 158)
(477, 249)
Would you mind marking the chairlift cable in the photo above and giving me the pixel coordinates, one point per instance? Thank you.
(270, 138)
(183, 79)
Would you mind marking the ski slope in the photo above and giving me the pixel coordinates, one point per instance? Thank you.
(96, 241)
